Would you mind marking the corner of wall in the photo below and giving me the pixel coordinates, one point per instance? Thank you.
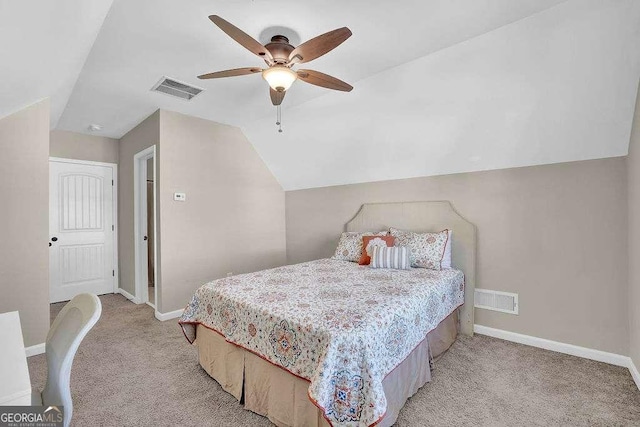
(259, 154)
(232, 197)
(633, 206)
(144, 135)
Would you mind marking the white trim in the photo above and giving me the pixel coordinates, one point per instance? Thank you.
(34, 350)
(128, 296)
(150, 305)
(560, 347)
(156, 214)
(168, 316)
(114, 204)
(634, 373)
(116, 231)
(81, 162)
(141, 285)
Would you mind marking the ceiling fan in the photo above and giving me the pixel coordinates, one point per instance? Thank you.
(280, 56)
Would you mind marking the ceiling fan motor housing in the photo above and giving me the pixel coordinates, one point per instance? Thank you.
(280, 49)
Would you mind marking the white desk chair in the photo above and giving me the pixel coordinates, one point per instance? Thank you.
(69, 328)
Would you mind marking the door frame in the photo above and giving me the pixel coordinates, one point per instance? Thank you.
(139, 215)
(114, 192)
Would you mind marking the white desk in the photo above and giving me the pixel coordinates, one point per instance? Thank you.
(15, 384)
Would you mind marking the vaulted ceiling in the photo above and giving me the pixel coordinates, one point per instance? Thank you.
(440, 86)
(43, 46)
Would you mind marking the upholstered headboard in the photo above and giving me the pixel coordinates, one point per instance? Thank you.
(429, 216)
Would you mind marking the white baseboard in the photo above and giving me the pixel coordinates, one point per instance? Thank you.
(128, 296)
(168, 316)
(634, 372)
(34, 350)
(160, 316)
(560, 347)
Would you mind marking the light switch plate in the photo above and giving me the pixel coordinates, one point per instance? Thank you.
(180, 197)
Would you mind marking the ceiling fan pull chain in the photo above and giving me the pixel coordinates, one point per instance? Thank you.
(279, 118)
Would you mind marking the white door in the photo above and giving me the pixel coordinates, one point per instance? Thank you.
(81, 230)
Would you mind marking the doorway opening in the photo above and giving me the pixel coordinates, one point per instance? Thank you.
(145, 227)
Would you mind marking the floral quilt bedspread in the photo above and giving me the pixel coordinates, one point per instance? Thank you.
(340, 325)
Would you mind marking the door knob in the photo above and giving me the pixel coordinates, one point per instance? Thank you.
(145, 238)
(54, 239)
(49, 243)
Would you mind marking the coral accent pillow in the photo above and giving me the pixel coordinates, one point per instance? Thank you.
(369, 242)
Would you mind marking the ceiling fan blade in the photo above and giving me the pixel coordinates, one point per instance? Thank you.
(243, 38)
(320, 79)
(231, 73)
(318, 46)
(276, 97)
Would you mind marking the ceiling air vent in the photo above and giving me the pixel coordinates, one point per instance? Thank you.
(505, 302)
(175, 88)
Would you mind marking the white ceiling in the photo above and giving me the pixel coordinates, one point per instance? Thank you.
(441, 86)
(557, 86)
(44, 44)
(142, 40)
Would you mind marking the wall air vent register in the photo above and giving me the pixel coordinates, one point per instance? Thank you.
(505, 302)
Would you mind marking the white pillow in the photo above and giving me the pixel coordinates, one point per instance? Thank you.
(446, 259)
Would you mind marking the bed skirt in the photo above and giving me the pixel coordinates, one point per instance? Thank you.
(275, 393)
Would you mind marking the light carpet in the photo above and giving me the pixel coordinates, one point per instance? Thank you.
(133, 370)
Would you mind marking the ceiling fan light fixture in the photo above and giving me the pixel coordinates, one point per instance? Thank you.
(279, 78)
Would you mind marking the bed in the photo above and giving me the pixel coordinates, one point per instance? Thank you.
(330, 342)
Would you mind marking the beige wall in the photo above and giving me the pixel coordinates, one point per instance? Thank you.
(72, 145)
(633, 179)
(24, 219)
(555, 234)
(142, 136)
(233, 216)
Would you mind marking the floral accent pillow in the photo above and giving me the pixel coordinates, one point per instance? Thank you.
(369, 242)
(426, 250)
(350, 245)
